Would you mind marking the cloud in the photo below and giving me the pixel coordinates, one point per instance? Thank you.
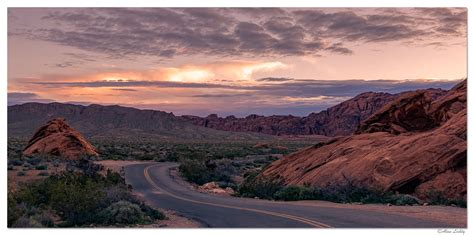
(338, 48)
(290, 88)
(124, 89)
(273, 79)
(20, 98)
(220, 95)
(224, 32)
(117, 83)
(297, 97)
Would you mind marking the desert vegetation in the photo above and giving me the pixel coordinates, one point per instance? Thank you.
(80, 196)
(254, 186)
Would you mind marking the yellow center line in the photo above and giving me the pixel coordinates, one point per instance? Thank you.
(286, 216)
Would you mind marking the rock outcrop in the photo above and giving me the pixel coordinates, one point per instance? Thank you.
(59, 139)
(415, 145)
(412, 111)
(341, 119)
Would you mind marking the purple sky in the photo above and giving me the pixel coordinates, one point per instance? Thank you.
(229, 60)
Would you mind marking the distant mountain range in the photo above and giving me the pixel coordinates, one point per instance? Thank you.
(123, 122)
(97, 121)
(341, 119)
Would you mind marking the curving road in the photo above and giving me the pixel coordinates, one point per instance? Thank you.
(158, 187)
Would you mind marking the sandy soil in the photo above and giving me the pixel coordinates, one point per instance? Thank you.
(30, 175)
(174, 221)
(116, 165)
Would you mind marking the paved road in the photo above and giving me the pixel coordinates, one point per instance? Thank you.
(154, 182)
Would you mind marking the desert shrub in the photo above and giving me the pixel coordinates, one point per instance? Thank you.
(252, 186)
(256, 186)
(26, 165)
(201, 170)
(348, 192)
(56, 163)
(41, 167)
(21, 173)
(43, 173)
(122, 212)
(34, 219)
(15, 162)
(26, 222)
(145, 157)
(195, 171)
(76, 197)
(34, 160)
(15, 210)
(294, 193)
(153, 213)
(403, 200)
(11, 167)
(437, 198)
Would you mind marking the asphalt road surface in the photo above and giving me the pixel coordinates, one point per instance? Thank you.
(159, 188)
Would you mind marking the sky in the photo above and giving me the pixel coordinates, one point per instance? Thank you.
(230, 61)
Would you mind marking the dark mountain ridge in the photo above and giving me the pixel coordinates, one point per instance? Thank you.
(341, 119)
(112, 121)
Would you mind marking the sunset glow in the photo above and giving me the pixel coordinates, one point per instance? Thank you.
(230, 61)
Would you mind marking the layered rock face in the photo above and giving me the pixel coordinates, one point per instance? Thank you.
(415, 144)
(59, 139)
(342, 119)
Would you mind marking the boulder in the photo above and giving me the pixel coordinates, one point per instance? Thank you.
(59, 139)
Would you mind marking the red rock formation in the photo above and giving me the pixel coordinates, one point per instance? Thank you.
(342, 119)
(59, 139)
(408, 112)
(413, 145)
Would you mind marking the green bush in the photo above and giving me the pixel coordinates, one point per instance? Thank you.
(21, 173)
(41, 167)
(154, 214)
(195, 171)
(15, 162)
(201, 171)
(437, 198)
(403, 200)
(78, 198)
(43, 173)
(123, 212)
(258, 187)
(294, 193)
(34, 160)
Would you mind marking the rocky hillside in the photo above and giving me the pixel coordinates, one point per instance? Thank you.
(59, 139)
(415, 144)
(341, 119)
(99, 121)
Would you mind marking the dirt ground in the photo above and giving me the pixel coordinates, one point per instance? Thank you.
(116, 165)
(30, 175)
